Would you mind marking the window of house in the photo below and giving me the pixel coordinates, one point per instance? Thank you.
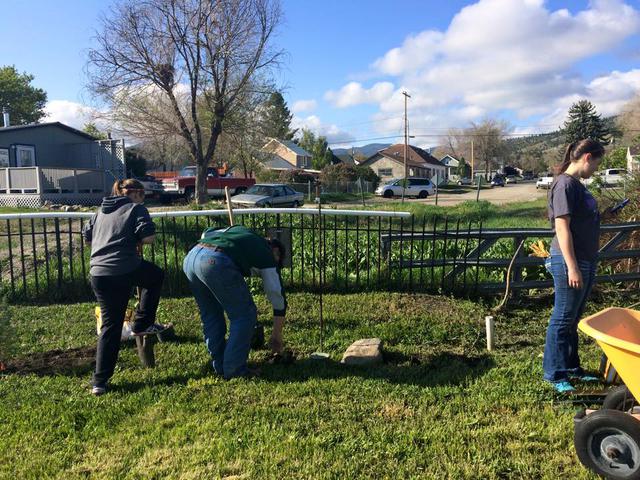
(25, 156)
(4, 157)
(385, 172)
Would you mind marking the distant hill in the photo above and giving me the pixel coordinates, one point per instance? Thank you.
(366, 150)
(539, 152)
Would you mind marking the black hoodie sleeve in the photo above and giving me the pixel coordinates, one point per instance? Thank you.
(144, 226)
(87, 232)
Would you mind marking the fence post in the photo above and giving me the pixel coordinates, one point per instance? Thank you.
(38, 180)
(56, 223)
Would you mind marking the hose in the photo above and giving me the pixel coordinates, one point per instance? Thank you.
(508, 286)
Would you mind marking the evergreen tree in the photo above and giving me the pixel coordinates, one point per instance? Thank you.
(584, 122)
(321, 154)
(24, 102)
(276, 118)
(93, 130)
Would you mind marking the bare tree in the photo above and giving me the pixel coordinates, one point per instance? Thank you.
(179, 67)
(166, 151)
(488, 141)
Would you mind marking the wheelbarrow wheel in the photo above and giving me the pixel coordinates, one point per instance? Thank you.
(619, 398)
(608, 442)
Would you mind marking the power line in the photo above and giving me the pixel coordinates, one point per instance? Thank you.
(427, 135)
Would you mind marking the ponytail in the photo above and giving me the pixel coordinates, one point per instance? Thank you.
(123, 187)
(566, 160)
(576, 150)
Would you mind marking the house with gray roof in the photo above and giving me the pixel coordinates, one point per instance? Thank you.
(285, 155)
(57, 163)
(388, 163)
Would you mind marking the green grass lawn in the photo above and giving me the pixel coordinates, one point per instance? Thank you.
(440, 407)
(514, 215)
(17, 210)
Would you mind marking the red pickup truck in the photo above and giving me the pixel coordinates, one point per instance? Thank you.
(183, 183)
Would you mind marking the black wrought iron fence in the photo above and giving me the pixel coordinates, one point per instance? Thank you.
(44, 257)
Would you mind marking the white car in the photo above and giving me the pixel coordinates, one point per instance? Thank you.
(611, 177)
(416, 187)
(544, 180)
(512, 179)
(150, 184)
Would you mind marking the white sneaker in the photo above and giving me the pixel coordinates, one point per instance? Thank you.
(97, 391)
(151, 330)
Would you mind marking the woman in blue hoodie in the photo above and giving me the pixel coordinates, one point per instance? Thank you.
(115, 231)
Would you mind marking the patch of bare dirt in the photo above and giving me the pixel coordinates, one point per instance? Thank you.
(73, 360)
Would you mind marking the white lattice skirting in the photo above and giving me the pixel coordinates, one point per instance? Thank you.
(34, 200)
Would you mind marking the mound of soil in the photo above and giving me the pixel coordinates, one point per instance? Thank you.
(74, 360)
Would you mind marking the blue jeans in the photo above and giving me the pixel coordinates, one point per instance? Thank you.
(218, 286)
(561, 348)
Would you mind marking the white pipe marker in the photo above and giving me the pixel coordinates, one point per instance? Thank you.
(490, 324)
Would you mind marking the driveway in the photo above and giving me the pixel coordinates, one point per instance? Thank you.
(519, 192)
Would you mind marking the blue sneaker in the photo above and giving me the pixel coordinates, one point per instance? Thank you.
(563, 387)
(586, 378)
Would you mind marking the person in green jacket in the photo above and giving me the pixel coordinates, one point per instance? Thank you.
(216, 268)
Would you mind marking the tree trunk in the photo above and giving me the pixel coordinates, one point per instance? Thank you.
(202, 196)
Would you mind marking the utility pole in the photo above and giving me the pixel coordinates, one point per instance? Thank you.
(406, 140)
(472, 169)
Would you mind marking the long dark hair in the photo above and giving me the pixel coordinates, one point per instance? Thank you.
(576, 150)
(121, 187)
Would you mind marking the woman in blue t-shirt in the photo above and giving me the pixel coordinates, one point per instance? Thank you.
(574, 254)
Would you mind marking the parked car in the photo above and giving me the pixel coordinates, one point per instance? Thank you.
(545, 180)
(497, 181)
(528, 175)
(152, 186)
(611, 177)
(269, 195)
(464, 181)
(416, 187)
(512, 179)
(183, 183)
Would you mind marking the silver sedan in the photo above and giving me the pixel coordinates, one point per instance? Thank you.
(269, 195)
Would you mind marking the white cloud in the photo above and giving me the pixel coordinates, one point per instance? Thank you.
(502, 55)
(304, 106)
(331, 131)
(74, 114)
(415, 52)
(353, 93)
(609, 94)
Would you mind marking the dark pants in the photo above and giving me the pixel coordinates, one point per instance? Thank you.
(561, 347)
(113, 293)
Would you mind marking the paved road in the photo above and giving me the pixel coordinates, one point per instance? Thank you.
(520, 192)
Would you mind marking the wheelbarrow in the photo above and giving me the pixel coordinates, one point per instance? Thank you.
(607, 441)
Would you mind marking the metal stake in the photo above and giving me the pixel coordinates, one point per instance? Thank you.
(320, 355)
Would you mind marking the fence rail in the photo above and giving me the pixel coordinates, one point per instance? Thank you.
(51, 180)
(44, 257)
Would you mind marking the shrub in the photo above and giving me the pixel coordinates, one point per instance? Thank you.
(341, 172)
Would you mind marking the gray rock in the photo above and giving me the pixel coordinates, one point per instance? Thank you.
(367, 351)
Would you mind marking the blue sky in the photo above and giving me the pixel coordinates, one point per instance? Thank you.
(524, 61)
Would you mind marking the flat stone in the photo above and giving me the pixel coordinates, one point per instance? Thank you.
(366, 351)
